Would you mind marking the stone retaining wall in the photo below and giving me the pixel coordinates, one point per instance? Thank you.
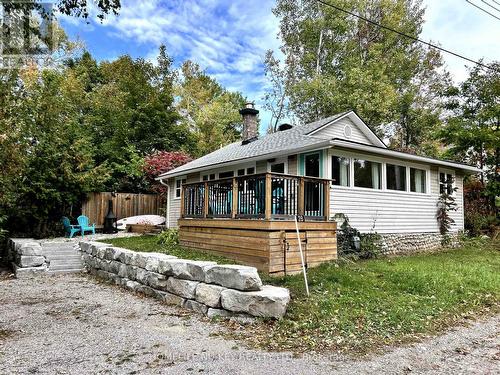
(405, 243)
(26, 257)
(205, 287)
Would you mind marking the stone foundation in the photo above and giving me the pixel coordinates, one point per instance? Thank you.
(406, 243)
(228, 291)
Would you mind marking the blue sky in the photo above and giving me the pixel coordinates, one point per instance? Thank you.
(229, 38)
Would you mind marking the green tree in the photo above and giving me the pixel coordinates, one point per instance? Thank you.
(58, 159)
(14, 143)
(75, 8)
(208, 109)
(341, 62)
(472, 129)
(130, 113)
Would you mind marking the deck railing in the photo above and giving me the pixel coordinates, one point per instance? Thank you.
(258, 196)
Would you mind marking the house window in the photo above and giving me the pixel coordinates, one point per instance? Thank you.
(340, 170)
(367, 174)
(396, 177)
(209, 177)
(241, 172)
(178, 186)
(445, 183)
(277, 167)
(226, 174)
(251, 170)
(312, 165)
(418, 182)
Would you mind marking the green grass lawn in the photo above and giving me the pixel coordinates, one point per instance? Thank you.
(150, 244)
(361, 306)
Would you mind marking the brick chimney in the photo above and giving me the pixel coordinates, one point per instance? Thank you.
(250, 124)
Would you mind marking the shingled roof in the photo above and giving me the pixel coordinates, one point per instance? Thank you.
(296, 138)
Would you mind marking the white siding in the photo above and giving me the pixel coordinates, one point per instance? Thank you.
(336, 130)
(175, 206)
(387, 211)
(394, 212)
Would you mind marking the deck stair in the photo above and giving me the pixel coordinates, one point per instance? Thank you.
(63, 256)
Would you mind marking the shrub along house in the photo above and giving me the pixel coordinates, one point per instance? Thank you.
(240, 201)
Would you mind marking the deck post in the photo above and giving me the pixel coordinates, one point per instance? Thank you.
(300, 203)
(205, 200)
(326, 200)
(269, 192)
(234, 208)
(183, 188)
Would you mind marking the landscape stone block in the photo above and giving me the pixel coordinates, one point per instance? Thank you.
(30, 260)
(271, 301)
(30, 249)
(234, 276)
(209, 294)
(183, 288)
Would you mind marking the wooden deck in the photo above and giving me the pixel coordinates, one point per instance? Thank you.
(269, 245)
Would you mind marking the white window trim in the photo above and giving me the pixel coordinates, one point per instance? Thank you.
(407, 176)
(175, 186)
(384, 161)
(233, 168)
(283, 160)
(453, 185)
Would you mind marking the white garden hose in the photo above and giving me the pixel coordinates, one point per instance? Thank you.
(301, 255)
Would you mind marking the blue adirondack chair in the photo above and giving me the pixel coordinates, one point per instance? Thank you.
(83, 222)
(68, 228)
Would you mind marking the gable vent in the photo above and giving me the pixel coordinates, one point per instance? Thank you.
(348, 131)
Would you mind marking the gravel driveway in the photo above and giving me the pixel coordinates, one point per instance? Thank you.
(72, 324)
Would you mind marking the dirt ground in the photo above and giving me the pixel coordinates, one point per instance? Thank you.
(72, 324)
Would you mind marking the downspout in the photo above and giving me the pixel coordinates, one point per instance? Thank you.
(167, 214)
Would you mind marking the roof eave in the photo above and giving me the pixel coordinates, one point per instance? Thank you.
(403, 155)
(174, 173)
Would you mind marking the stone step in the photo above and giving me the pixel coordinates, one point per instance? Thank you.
(57, 246)
(62, 249)
(65, 266)
(56, 271)
(63, 257)
(59, 253)
(66, 263)
(62, 254)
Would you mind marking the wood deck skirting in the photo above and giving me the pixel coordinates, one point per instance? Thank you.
(270, 246)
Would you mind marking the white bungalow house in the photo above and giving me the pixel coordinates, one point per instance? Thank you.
(392, 193)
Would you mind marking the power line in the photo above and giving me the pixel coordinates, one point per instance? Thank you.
(496, 2)
(485, 11)
(492, 6)
(407, 36)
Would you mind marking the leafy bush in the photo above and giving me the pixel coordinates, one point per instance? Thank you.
(3, 232)
(369, 243)
(169, 237)
(479, 210)
(446, 203)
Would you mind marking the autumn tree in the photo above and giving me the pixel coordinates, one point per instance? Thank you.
(161, 162)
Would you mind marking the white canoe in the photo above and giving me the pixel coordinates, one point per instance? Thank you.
(140, 219)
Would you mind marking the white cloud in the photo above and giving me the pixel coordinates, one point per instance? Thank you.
(229, 38)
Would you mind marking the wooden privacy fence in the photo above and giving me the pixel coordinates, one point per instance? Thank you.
(124, 205)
